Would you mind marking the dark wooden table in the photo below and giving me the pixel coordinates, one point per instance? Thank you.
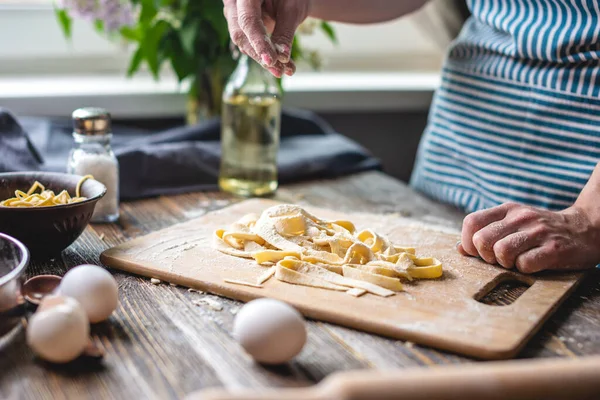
(161, 344)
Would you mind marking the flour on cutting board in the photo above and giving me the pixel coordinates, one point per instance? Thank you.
(169, 248)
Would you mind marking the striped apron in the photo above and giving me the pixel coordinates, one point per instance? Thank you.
(517, 116)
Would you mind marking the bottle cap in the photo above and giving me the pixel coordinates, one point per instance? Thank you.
(91, 121)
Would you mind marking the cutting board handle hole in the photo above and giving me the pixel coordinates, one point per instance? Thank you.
(503, 290)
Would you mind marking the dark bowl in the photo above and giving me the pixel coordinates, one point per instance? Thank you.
(46, 231)
(14, 259)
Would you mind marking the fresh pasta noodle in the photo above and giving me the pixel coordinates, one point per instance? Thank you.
(80, 183)
(302, 249)
(45, 198)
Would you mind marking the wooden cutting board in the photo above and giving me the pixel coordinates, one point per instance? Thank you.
(441, 313)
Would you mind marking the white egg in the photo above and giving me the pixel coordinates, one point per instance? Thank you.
(94, 288)
(59, 330)
(271, 331)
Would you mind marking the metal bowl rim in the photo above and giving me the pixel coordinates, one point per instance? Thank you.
(15, 272)
(61, 206)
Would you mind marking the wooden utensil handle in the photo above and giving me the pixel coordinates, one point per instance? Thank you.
(522, 380)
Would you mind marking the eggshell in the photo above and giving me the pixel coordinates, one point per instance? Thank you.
(271, 331)
(94, 288)
(59, 331)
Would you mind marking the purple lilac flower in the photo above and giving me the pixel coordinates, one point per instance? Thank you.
(115, 14)
(84, 9)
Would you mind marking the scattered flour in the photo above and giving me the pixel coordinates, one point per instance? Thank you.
(215, 305)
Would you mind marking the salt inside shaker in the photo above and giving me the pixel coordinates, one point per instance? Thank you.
(92, 155)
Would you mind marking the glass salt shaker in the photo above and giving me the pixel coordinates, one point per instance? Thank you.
(92, 155)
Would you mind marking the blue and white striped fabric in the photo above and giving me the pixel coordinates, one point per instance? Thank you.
(517, 117)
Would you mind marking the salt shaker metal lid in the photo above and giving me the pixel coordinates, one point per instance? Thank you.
(91, 121)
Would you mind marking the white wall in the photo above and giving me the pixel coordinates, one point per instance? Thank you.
(393, 45)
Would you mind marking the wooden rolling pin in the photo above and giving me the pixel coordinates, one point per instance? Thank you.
(547, 379)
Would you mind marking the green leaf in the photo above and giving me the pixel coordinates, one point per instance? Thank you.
(329, 31)
(99, 26)
(135, 62)
(150, 44)
(148, 11)
(296, 53)
(280, 84)
(182, 64)
(188, 34)
(130, 33)
(65, 21)
(181, 68)
(213, 13)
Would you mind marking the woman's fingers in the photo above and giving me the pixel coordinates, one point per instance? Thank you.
(283, 35)
(500, 234)
(507, 249)
(485, 239)
(249, 19)
(556, 253)
(535, 260)
(461, 249)
(290, 68)
(531, 239)
(238, 37)
(474, 222)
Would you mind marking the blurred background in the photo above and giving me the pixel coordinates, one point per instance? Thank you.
(375, 85)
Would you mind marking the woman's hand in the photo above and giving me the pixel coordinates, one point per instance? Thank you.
(532, 239)
(251, 21)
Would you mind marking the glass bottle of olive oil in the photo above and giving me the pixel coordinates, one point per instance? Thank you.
(250, 129)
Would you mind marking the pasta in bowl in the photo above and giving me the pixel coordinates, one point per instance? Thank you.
(49, 215)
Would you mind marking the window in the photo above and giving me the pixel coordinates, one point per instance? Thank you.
(394, 65)
(31, 42)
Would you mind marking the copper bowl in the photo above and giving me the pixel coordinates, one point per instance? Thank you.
(46, 231)
(14, 258)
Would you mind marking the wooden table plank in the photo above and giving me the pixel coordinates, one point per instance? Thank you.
(162, 343)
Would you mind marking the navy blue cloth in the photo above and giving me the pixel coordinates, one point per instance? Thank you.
(182, 159)
(17, 153)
